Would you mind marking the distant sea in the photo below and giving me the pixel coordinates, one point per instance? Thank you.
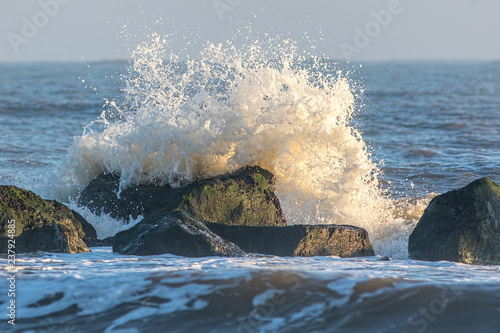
(389, 134)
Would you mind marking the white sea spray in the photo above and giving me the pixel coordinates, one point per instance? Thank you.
(234, 106)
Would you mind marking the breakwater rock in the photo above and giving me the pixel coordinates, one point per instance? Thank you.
(175, 233)
(243, 197)
(36, 224)
(461, 225)
(299, 240)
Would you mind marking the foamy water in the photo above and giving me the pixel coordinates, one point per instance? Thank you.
(232, 107)
(371, 158)
(106, 292)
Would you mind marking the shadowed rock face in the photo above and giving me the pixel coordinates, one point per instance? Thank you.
(41, 225)
(176, 233)
(299, 240)
(461, 225)
(243, 197)
(240, 207)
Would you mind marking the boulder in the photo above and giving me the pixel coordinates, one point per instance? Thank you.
(298, 240)
(41, 225)
(461, 225)
(244, 197)
(99, 242)
(175, 233)
(240, 207)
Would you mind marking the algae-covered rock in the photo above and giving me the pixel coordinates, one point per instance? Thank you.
(298, 240)
(175, 233)
(240, 207)
(40, 225)
(244, 197)
(461, 225)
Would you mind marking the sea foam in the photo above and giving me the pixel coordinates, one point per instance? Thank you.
(233, 106)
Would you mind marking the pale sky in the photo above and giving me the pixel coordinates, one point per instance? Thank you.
(78, 30)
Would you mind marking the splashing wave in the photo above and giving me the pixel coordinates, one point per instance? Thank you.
(262, 104)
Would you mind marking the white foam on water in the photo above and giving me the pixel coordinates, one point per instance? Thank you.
(103, 223)
(102, 280)
(234, 106)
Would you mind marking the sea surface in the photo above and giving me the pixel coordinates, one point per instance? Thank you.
(360, 143)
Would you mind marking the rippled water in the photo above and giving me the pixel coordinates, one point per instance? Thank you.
(436, 124)
(433, 123)
(430, 126)
(107, 292)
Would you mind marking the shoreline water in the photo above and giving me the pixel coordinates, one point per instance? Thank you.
(256, 294)
(430, 127)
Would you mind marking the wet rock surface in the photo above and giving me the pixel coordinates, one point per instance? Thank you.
(244, 197)
(175, 233)
(299, 240)
(41, 225)
(461, 225)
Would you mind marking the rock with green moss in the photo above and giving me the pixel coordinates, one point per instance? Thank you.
(240, 207)
(40, 225)
(175, 233)
(244, 197)
(461, 225)
(299, 240)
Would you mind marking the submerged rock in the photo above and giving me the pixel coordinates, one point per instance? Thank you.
(461, 225)
(299, 240)
(244, 197)
(41, 225)
(175, 233)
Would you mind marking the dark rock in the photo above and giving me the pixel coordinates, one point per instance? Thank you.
(244, 197)
(99, 242)
(461, 225)
(240, 207)
(298, 240)
(89, 233)
(41, 225)
(175, 233)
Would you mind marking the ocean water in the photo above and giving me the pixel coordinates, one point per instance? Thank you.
(365, 144)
